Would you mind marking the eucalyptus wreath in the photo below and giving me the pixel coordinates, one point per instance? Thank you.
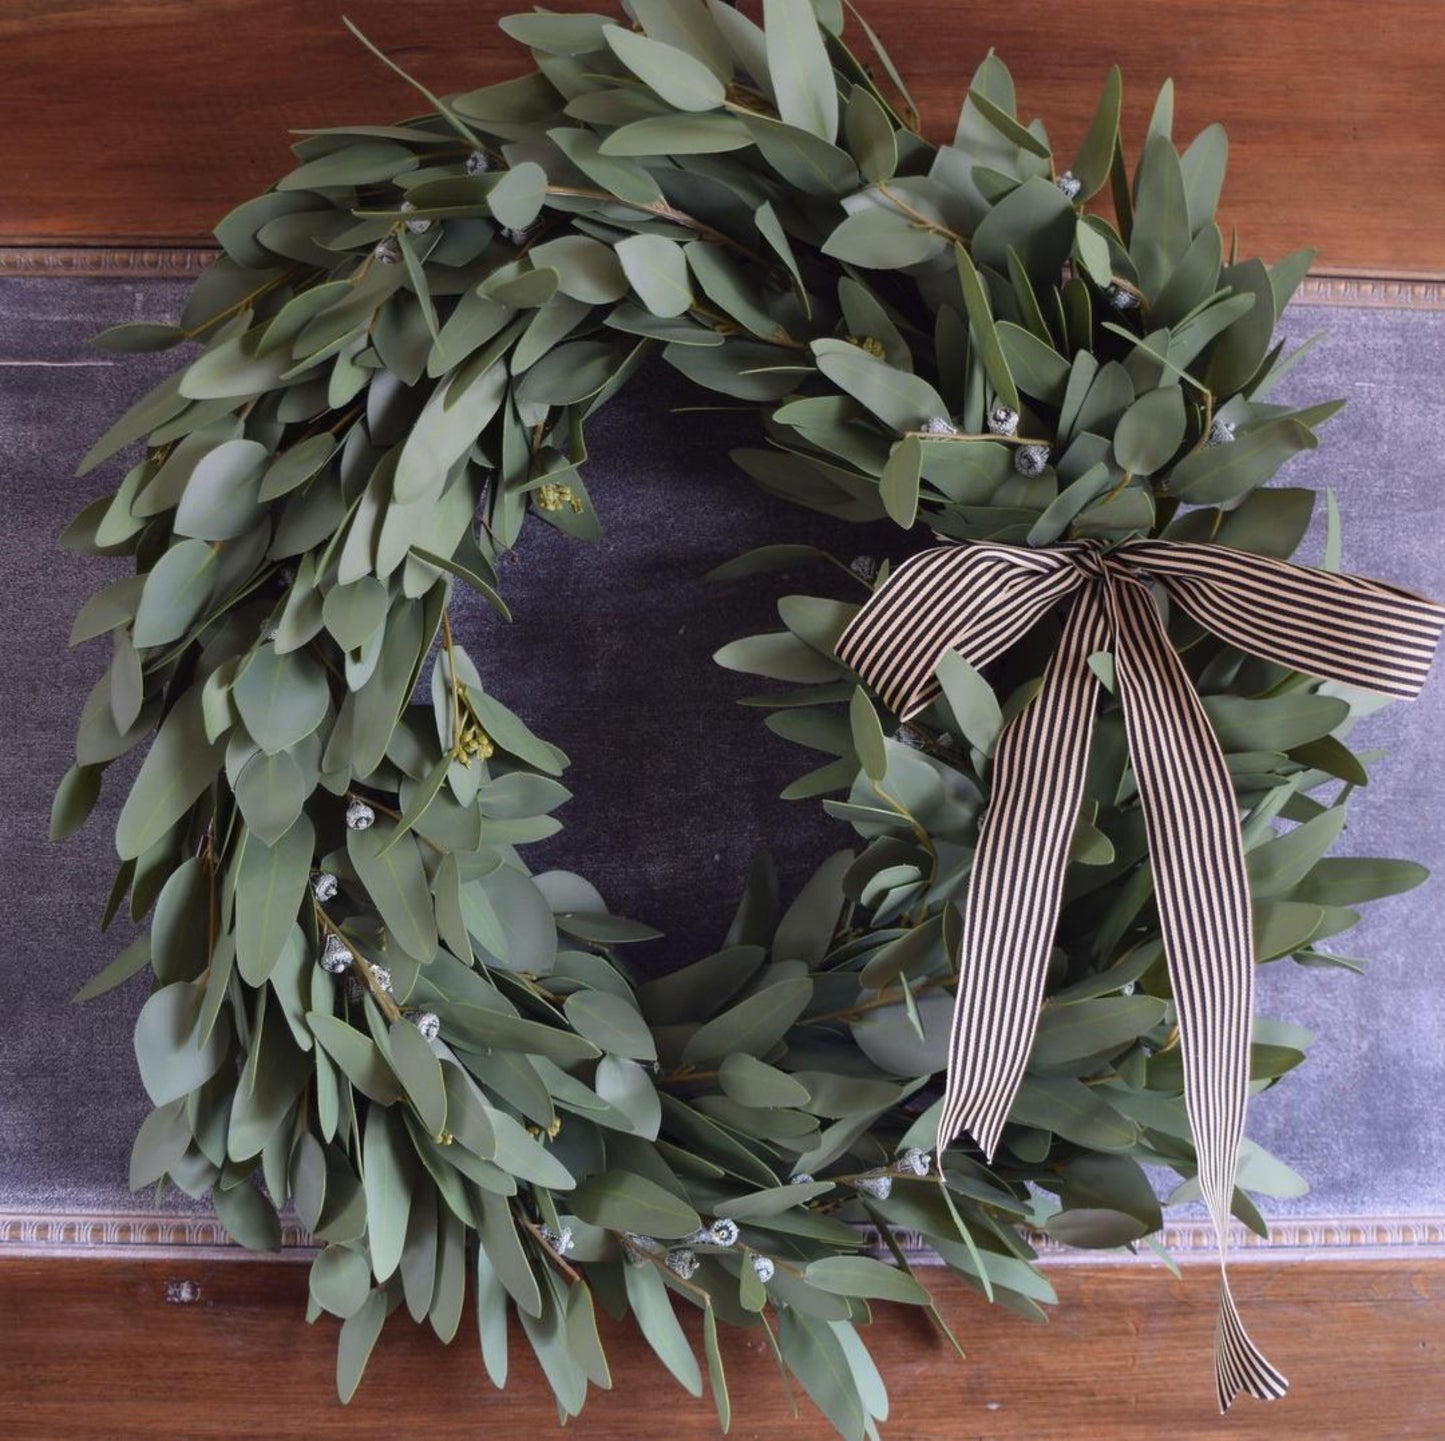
(366, 1007)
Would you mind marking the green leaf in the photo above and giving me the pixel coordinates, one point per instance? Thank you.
(863, 1276)
(901, 477)
(651, 1304)
(75, 798)
(754, 1025)
(816, 1357)
(751, 1082)
(222, 499)
(180, 765)
(354, 613)
(249, 1218)
(282, 698)
(1038, 369)
(1218, 473)
(902, 401)
(772, 1201)
(1076, 1112)
(396, 882)
(867, 735)
(270, 883)
(657, 270)
(516, 199)
(135, 958)
(798, 66)
(1097, 1227)
(1150, 431)
(678, 135)
(1096, 154)
(1203, 165)
(420, 1073)
(175, 593)
(388, 1167)
(340, 1281)
(870, 137)
(621, 1201)
(985, 336)
(270, 791)
(171, 1062)
(359, 1333)
(357, 1056)
(882, 239)
(612, 1023)
(680, 79)
(1161, 232)
(1007, 126)
(1275, 723)
(971, 698)
(1085, 1028)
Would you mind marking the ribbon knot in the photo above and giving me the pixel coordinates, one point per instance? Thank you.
(979, 599)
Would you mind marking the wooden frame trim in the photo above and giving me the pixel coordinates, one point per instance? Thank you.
(1377, 290)
(95, 1235)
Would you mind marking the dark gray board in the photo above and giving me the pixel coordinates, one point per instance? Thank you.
(676, 786)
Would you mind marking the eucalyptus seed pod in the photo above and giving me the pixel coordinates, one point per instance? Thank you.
(1070, 184)
(724, 1232)
(681, 1261)
(865, 567)
(763, 1268)
(477, 163)
(428, 1023)
(915, 1162)
(387, 250)
(360, 816)
(879, 1187)
(1031, 460)
(559, 1241)
(414, 227)
(382, 976)
(1121, 297)
(939, 425)
(324, 887)
(336, 955)
(1221, 432)
(1002, 420)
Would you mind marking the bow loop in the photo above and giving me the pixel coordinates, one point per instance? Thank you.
(978, 599)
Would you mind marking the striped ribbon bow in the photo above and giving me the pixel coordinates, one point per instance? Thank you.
(978, 599)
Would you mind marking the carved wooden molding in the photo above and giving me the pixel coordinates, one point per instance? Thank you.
(1291, 1239)
(1374, 291)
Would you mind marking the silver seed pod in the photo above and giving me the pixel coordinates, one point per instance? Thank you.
(915, 1162)
(939, 425)
(724, 1232)
(1070, 184)
(801, 1178)
(1121, 297)
(763, 1268)
(382, 977)
(1031, 459)
(864, 567)
(477, 163)
(1221, 432)
(428, 1023)
(336, 956)
(637, 1247)
(1003, 421)
(879, 1187)
(387, 250)
(324, 886)
(559, 1241)
(414, 227)
(359, 816)
(681, 1261)
(907, 736)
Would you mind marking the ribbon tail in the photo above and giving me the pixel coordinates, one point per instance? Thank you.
(1202, 888)
(1239, 1365)
(1016, 885)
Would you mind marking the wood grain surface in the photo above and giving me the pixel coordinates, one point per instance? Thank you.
(144, 121)
(96, 1349)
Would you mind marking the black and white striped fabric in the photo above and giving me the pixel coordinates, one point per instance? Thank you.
(978, 599)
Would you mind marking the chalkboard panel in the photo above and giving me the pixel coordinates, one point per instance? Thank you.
(610, 658)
